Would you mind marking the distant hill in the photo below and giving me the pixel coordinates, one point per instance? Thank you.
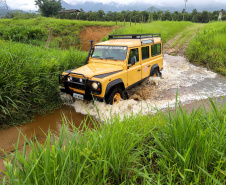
(112, 6)
(4, 9)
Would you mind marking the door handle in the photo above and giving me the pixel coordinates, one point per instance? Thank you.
(139, 70)
(149, 66)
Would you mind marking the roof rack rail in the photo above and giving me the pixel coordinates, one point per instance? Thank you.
(134, 36)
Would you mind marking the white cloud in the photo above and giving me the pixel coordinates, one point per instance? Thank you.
(162, 2)
(22, 4)
(30, 4)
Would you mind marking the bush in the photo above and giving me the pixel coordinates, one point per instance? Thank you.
(29, 79)
(208, 47)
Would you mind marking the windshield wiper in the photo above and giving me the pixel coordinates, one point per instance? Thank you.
(97, 57)
(111, 58)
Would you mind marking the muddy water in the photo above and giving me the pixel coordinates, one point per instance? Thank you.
(192, 84)
(38, 128)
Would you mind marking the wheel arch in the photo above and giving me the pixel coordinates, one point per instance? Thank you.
(113, 84)
(155, 66)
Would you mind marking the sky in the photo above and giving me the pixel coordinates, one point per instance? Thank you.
(27, 5)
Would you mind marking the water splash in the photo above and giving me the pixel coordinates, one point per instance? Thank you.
(192, 83)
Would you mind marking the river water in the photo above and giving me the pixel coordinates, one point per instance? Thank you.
(178, 76)
(192, 84)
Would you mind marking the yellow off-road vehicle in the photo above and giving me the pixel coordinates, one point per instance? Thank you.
(114, 66)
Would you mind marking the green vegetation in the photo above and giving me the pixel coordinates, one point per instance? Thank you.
(148, 16)
(208, 48)
(173, 148)
(29, 79)
(168, 29)
(186, 35)
(35, 31)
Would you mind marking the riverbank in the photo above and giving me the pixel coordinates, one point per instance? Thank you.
(29, 79)
(208, 47)
(177, 147)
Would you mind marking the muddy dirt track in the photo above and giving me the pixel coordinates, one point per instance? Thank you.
(192, 83)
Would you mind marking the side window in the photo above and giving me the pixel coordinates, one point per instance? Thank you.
(155, 50)
(145, 52)
(133, 54)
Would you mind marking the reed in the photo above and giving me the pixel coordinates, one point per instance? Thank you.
(29, 79)
(208, 47)
(173, 148)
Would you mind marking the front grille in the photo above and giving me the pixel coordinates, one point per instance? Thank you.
(77, 83)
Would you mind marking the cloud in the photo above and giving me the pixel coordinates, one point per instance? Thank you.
(30, 4)
(22, 4)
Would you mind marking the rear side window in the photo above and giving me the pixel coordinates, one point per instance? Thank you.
(155, 50)
(145, 52)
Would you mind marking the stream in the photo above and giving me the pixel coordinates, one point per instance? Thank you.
(193, 84)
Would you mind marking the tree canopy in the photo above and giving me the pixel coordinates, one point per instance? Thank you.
(49, 8)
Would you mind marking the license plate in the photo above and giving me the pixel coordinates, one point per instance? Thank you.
(78, 96)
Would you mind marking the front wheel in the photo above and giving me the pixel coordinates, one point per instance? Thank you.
(115, 96)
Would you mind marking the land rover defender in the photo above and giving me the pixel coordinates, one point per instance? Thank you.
(114, 66)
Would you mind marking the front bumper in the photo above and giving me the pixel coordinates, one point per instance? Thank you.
(79, 84)
(87, 96)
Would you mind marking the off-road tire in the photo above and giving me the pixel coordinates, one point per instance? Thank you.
(157, 73)
(110, 97)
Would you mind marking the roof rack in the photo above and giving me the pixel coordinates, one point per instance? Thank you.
(134, 36)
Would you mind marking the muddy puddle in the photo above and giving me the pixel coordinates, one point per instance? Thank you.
(192, 83)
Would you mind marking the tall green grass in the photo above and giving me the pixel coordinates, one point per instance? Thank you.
(208, 48)
(29, 79)
(173, 148)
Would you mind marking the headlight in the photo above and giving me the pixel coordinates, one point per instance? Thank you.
(69, 78)
(95, 85)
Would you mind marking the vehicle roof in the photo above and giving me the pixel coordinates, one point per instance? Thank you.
(129, 42)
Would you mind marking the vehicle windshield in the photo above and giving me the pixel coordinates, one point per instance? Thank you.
(110, 52)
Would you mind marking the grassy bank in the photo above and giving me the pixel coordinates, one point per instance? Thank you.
(208, 48)
(173, 148)
(29, 79)
(168, 29)
(35, 31)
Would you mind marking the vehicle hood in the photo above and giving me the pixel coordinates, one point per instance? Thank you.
(93, 69)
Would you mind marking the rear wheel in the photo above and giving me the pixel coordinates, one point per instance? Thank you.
(157, 73)
(115, 96)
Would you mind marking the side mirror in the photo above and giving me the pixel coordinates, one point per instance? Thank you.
(133, 61)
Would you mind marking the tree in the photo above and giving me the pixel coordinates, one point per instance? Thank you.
(49, 8)
(100, 15)
(194, 15)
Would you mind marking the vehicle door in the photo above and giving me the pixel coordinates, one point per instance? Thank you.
(133, 66)
(146, 61)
